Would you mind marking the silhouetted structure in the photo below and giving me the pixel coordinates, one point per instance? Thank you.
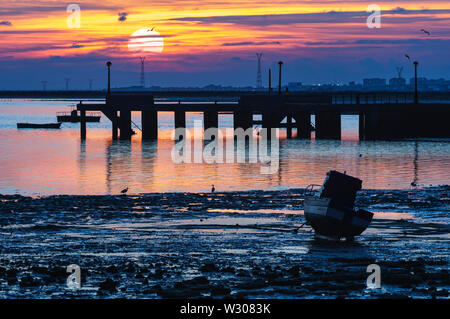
(280, 64)
(381, 116)
(416, 94)
(142, 71)
(108, 64)
(258, 74)
(270, 81)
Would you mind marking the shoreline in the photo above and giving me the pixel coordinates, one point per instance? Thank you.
(287, 189)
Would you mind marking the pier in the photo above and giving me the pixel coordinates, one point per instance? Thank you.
(381, 117)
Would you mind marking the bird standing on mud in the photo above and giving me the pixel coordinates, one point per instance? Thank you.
(213, 189)
(125, 190)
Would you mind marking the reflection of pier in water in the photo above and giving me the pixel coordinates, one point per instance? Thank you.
(107, 166)
(118, 155)
(381, 117)
(146, 165)
(416, 165)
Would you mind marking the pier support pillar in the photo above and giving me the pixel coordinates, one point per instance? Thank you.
(83, 124)
(211, 120)
(180, 119)
(387, 125)
(432, 124)
(115, 125)
(270, 120)
(289, 126)
(149, 124)
(180, 122)
(242, 119)
(125, 124)
(328, 125)
(369, 126)
(303, 124)
(362, 126)
(378, 125)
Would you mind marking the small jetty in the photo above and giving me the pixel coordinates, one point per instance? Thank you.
(36, 125)
(74, 116)
(331, 213)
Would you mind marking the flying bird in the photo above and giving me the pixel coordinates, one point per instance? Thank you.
(425, 31)
(125, 190)
(213, 189)
(409, 58)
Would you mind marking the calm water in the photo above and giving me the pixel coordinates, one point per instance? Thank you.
(57, 162)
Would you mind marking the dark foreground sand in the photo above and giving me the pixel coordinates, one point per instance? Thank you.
(224, 245)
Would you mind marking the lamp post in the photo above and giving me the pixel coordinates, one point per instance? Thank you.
(270, 81)
(108, 64)
(416, 94)
(280, 63)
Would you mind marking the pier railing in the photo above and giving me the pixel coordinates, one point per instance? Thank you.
(372, 98)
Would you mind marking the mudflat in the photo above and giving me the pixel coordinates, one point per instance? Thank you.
(221, 245)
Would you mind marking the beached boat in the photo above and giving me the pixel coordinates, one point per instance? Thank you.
(331, 212)
(34, 125)
(74, 117)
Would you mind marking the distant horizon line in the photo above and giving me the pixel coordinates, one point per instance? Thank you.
(200, 90)
(251, 87)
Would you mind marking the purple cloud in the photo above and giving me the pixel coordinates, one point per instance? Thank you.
(232, 44)
(317, 18)
(7, 23)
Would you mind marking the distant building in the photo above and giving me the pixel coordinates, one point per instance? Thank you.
(438, 85)
(397, 84)
(425, 84)
(421, 82)
(295, 86)
(374, 84)
(353, 86)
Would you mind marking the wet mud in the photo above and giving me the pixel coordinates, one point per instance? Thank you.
(221, 245)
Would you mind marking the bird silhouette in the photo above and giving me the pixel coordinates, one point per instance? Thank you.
(413, 184)
(125, 190)
(213, 189)
(408, 57)
(425, 31)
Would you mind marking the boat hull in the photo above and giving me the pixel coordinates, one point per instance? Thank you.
(333, 223)
(44, 126)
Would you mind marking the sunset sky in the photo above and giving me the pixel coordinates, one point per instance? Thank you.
(214, 42)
